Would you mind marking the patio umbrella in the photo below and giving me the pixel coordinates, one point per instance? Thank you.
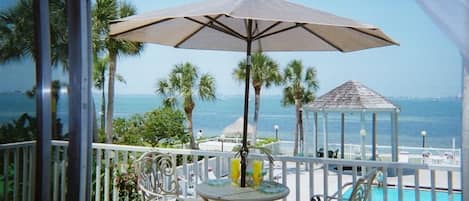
(236, 129)
(249, 25)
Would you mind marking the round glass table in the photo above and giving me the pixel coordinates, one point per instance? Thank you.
(225, 191)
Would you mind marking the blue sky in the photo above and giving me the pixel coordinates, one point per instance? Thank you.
(426, 64)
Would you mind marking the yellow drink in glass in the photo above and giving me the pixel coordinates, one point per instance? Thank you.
(256, 172)
(235, 168)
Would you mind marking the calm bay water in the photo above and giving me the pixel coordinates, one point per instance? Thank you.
(441, 118)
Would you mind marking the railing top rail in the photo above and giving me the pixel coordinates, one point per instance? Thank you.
(115, 147)
(17, 144)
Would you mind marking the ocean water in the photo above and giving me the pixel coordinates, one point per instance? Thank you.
(440, 118)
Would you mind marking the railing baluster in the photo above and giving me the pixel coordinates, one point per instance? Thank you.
(450, 185)
(339, 182)
(284, 175)
(63, 174)
(125, 157)
(97, 195)
(24, 175)
(400, 192)
(311, 179)
(218, 167)
(186, 173)
(116, 167)
(298, 182)
(417, 185)
(15, 174)
(325, 180)
(55, 181)
(195, 163)
(32, 165)
(354, 174)
(6, 156)
(106, 175)
(432, 181)
(206, 168)
(385, 184)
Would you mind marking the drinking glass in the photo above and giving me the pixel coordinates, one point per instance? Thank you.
(235, 168)
(256, 172)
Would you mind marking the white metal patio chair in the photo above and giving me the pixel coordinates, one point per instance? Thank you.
(157, 179)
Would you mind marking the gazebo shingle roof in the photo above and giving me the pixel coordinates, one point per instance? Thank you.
(351, 96)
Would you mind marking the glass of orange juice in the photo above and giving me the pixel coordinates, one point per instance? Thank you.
(256, 172)
(235, 168)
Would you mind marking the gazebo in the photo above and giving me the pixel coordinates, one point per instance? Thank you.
(353, 96)
(235, 130)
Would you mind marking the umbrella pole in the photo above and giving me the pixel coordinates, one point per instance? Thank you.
(244, 148)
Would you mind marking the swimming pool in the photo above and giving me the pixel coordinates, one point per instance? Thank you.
(409, 195)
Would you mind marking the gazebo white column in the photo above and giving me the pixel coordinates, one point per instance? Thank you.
(394, 139)
(373, 138)
(315, 148)
(325, 134)
(362, 135)
(342, 135)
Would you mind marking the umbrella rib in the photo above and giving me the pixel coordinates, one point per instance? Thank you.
(140, 27)
(322, 38)
(372, 35)
(215, 28)
(267, 29)
(194, 32)
(226, 27)
(276, 32)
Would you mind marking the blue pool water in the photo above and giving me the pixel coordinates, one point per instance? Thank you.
(409, 195)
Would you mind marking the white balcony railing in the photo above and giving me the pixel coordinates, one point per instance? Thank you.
(305, 176)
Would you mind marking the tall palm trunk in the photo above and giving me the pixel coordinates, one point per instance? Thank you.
(257, 103)
(103, 102)
(188, 111)
(297, 110)
(110, 97)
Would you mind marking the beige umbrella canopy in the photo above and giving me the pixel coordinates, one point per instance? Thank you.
(249, 25)
(235, 129)
(277, 25)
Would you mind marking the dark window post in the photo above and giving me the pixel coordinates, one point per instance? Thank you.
(43, 99)
(81, 104)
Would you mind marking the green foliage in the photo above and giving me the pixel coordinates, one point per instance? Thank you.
(17, 32)
(22, 129)
(163, 124)
(265, 141)
(126, 180)
(128, 131)
(162, 127)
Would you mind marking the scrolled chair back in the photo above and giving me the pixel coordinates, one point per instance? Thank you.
(361, 190)
(157, 178)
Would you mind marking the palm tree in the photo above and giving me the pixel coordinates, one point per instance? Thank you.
(300, 87)
(17, 34)
(99, 79)
(101, 64)
(104, 12)
(264, 72)
(184, 82)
